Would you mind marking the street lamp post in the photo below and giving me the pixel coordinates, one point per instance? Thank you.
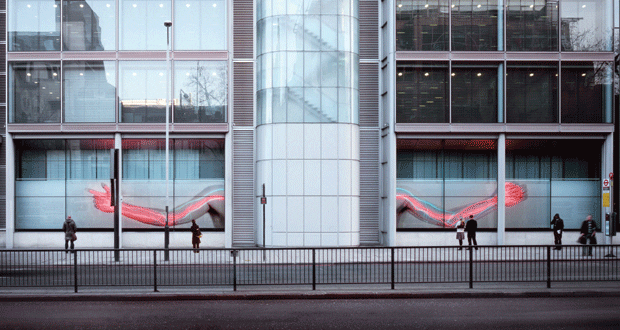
(167, 24)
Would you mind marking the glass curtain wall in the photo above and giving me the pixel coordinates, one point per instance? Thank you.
(89, 25)
(200, 91)
(586, 25)
(532, 92)
(532, 25)
(587, 92)
(57, 178)
(34, 92)
(441, 181)
(422, 92)
(307, 61)
(559, 176)
(475, 25)
(422, 25)
(474, 91)
(34, 25)
(141, 24)
(89, 91)
(142, 91)
(196, 183)
(199, 25)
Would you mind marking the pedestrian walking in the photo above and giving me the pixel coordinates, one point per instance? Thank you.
(471, 227)
(588, 235)
(460, 232)
(196, 234)
(70, 228)
(558, 227)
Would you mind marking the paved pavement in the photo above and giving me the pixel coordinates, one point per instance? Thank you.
(410, 291)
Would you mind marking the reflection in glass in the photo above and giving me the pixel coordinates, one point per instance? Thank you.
(561, 176)
(474, 25)
(422, 93)
(90, 91)
(142, 24)
(34, 25)
(34, 92)
(531, 93)
(54, 179)
(532, 25)
(474, 93)
(200, 25)
(200, 91)
(422, 25)
(587, 25)
(89, 25)
(142, 91)
(586, 92)
(440, 181)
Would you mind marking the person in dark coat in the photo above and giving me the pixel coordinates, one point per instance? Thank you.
(70, 229)
(470, 228)
(588, 235)
(195, 236)
(558, 228)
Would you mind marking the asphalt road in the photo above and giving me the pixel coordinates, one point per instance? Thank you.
(472, 313)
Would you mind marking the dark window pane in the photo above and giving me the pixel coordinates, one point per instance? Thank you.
(586, 92)
(422, 93)
(34, 92)
(422, 25)
(474, 93)
(531, 93)
(474, 25)
(532, 25)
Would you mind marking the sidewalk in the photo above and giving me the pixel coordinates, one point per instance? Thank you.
(404, 291)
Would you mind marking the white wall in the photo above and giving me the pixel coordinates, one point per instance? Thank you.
(485, 238)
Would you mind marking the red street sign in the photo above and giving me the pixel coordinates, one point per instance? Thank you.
(605, 183)
(263, 200)
(611, 176)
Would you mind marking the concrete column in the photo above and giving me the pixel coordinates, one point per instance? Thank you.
(10, 191)
(501, 189)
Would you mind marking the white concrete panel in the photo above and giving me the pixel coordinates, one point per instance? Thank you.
(443, 239)
(279, 214)
(312, 177)
(312, 239)
(344, 141)
(355, 142)
(279, 177)
(264, 133)
(279, 239)
(329, 214)
(329, 239)
(329, 177)
(295, 214)
(355, 178)
(355, 239)
(344, 177)
(344, 214)
(344, 239)
(294, 141)
(312, 141)
(295, 177)
(329, 141)
(312, 214)
(295, 239)
(279, 141)
(355, 214)
(264, 169)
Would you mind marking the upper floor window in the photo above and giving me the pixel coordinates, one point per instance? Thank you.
(34, 25)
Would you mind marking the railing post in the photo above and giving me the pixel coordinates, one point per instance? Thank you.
(75, 269)
(313, 269)
(392, 261)
(548, 267)
(155, 271)
(234, 254)
(471, 267)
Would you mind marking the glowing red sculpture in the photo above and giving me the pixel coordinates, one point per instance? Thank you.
(211, 203)
(430, 213)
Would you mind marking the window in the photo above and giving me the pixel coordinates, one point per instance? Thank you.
(89, 25)
(34, 25)
(474, 25)
(142, 91)
(422, 25)
(90, 91)
(34, 92)
(200, 91)
(587, 25)
(586, 92)
(199, 25)
(531, 93)
(532, 25)
(474, 93)
(142, 24)
(422, 92)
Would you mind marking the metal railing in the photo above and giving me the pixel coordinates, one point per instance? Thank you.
(307, 266)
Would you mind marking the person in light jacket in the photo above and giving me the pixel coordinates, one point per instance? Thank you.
(70, 229)
(460, 232)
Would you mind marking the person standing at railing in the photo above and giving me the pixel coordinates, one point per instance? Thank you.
(558, 228)
(196, 234)
(70, 228)
(460, 232)
(471, 227)
(588, 235)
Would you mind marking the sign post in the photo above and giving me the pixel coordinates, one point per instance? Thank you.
(611, 218)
